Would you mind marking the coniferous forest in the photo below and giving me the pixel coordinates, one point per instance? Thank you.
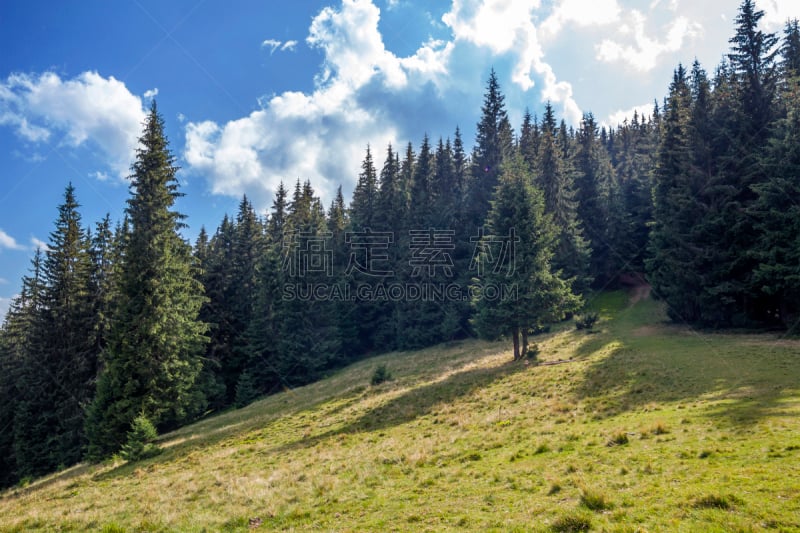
(124, 323)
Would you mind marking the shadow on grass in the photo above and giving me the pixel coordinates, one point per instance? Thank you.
(416, 402)
(747, 377)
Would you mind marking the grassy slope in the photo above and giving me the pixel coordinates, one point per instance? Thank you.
(463, 439)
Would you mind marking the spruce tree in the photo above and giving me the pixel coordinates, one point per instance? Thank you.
(777, 217)
(57, 379)
(517, 253)
(365, 196)
(19, 336)
(495, 142)
(594, 179)
(671, 267)
(554, 177)
(156, 342)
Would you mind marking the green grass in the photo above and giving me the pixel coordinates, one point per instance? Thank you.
(464, 439)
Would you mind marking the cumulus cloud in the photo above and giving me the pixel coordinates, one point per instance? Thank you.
(508, 27)
(88, 109)
(777, 12)
(618, 117)
(321, 135)
(643, 52)
(580, 13)
(276, 45)
(38, 244)
(8, 242)
(366, 94)
(150, 94)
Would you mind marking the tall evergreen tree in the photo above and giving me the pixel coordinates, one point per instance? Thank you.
(777, 216)
(156, 341)
(594, 179)
(493, 144)
(671, 266)
(553, 175)
(365, 196)
(790, 50)
(516, 253)
(19, 341)
(56, 381)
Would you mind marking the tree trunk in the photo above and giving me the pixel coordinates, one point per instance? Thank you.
(516, 343)
(524, 342)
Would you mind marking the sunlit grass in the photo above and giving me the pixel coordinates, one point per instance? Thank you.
(650, 427)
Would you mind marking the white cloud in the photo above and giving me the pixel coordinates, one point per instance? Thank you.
(320, 136)
(580, 13)
(99, 176)
(276, 45)
(507, 27)
(620, 116)
(644, 52)
(39, 244)
(8, 242)
(87, 109)
(777, 12)
(150, 94)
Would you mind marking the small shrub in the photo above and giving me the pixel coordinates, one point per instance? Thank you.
(594, 501)
(618, 439)
(140, 440)
(381, 375)
(572, 523)
(714, 501)
(542, 448)
(586, 321)
(659, 429)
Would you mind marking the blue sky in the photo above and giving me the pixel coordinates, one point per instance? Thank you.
(258, 91)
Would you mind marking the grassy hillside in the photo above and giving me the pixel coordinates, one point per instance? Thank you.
(651, 428)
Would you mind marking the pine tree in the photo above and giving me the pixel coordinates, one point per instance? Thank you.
(262, 373)
(18, 343)
(790, 50)
(554, 177)
(306, 331)
(493, 144)
(105, 259)
(155, 346)
(777, 216)
(392, 217)
(24, 331)
(594, 180)
(529, 139)
(672, 267)
(517, 253)
(744, 98)
(218, 311)
(57, 379)
(365, 196)
(422, 187)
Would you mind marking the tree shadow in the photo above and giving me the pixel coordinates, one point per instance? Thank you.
(415, 403)
(746, 377)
